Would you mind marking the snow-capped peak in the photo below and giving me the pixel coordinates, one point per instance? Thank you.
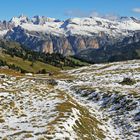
(19, 20)
(80, 26)
(41, 20)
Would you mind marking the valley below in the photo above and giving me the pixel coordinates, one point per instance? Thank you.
(96, 102)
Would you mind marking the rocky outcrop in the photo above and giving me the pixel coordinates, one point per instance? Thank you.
(47, 47)
(93, 44)
(4, 25)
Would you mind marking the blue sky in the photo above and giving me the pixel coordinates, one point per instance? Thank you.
(63, 9)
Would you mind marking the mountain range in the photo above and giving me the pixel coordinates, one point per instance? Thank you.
(94, 39)
(45, 93)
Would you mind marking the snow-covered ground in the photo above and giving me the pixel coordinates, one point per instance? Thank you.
(87, 103)
(3, 32)
(100, 88)
(32, 109)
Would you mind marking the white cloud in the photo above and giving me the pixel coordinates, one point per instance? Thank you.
(80, 13)
(136, 10)
(77, 13)
(111, 16)
(94, 14)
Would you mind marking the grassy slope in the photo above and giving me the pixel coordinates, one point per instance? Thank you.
(26, 65)
(78, 61)
(10, 72)
(82, 63)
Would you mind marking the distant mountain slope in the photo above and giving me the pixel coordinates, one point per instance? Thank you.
(73, 36)
(16, 57)
(117, 52)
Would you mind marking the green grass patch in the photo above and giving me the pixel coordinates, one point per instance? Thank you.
(27, 65)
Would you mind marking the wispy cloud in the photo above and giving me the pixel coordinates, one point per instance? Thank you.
(94, 14)
(77, 13)
(80, 13)
(111, 16)
(136, 10)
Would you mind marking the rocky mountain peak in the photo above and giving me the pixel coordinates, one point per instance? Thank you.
(40, 20)
(19, 20)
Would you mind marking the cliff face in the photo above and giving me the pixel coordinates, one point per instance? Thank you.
(127, 49)
(95, 49)
(66, 45)
(47, 47)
